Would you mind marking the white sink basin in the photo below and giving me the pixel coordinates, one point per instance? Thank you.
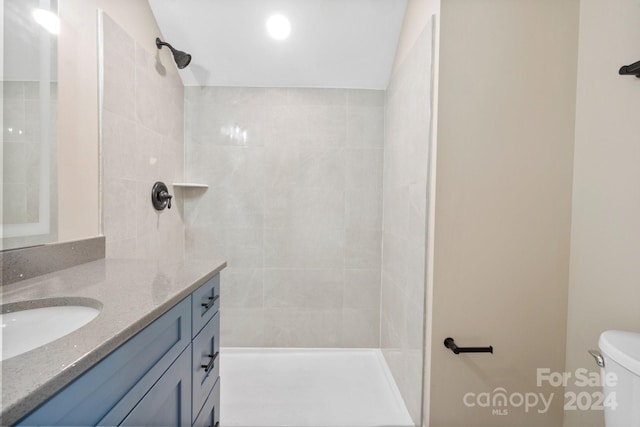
(24, 330)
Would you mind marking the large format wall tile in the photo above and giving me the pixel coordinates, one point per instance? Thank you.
(356, 330)
(302, 327)
(240, 247)
(405, 203)
(242, 327)
(362, 289)
(243, 288)
(295, 206)
(308, 247)
(142, 142)
(303, 288)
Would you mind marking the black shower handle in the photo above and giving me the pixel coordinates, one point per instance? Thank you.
(160, 197)
(166, 196)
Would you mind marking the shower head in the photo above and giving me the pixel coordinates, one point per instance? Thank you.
(182, 58)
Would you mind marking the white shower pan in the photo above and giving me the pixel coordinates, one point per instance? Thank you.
(269, 387)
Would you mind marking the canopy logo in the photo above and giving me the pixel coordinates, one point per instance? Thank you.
(499, 401)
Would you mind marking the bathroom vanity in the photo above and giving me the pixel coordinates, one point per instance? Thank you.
(149, 358)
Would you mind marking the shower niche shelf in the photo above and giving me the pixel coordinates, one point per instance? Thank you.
(189, 185)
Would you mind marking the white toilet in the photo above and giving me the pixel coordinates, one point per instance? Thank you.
(621, 353)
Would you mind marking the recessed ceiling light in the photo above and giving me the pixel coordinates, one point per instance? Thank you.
(48, 20)
(278, 27)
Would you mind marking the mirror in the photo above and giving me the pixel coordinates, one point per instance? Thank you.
(29, 110)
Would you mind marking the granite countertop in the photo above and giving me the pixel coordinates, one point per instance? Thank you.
(133, 293)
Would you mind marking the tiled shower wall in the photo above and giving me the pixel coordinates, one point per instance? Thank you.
(406, 168)
(295, 205)
(142, 142)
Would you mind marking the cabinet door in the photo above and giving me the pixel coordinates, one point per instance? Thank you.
(168, 402)
(106, 393)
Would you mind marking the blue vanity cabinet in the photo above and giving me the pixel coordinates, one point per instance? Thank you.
(206, 350)
(149, 380)
(108, 391)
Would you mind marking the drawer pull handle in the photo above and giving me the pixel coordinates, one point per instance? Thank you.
(212, 301)
(213, 357)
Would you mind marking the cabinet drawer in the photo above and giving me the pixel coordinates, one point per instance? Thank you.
(205, 303)
(205, 362)
(210, 414)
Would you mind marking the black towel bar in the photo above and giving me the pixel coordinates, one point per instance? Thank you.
(450, 344)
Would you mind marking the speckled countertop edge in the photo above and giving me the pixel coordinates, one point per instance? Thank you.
(133, 293)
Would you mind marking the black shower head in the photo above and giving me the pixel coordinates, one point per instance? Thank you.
(182, 59)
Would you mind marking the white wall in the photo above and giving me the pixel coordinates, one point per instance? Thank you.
(604, 290)
(503, 203)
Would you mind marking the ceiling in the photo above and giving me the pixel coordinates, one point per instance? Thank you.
(333, 43)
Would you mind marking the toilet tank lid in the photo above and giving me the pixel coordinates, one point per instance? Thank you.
(623, 347)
